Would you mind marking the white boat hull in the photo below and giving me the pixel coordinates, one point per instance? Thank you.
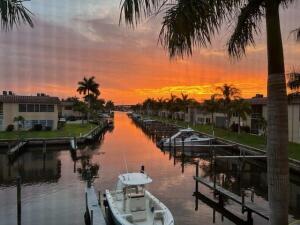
(158, 215)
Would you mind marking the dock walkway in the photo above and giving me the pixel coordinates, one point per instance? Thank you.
(247, 206)
(92, 206)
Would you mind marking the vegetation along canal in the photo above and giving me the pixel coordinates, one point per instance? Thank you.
(53, 188)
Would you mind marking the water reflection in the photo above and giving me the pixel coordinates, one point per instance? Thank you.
(53, 192)
(33, 167)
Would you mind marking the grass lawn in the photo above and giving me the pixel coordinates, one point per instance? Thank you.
(69, 130)
(243, 138)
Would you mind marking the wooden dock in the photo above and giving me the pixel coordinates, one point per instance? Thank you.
(16, 149)
(93, 209)
(249, 207)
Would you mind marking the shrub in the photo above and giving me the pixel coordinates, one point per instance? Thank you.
(48, 128)
(234, 127)
(246, 129)
(37, 127)
(10, 127)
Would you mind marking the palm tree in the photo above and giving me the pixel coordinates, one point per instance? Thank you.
(294, 81)
(20, 121)
(14, 13)
(228, 93)
(80, 106)
(191, 23)
(211, 106)
(109, 105)
(242, 109)
(89, 88)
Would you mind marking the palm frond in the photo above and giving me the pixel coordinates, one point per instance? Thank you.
(132, 11)
(193, 23)
(247, 26)
(14, 13)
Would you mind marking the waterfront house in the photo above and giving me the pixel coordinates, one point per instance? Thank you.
(40, 109)
(254, 120)
(66, 110)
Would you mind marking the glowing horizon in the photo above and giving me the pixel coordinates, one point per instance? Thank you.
(71, 41)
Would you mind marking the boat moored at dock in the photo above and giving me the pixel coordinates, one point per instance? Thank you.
(131, 203)
(187, 137)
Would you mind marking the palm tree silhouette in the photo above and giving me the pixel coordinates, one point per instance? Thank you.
(192, 23)
(14, 13)
(90, 89)
(242, 108)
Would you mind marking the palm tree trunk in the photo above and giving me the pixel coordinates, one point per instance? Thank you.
(277, 138)
(239, 125)
(89, 106)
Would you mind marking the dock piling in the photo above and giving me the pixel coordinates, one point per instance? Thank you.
(19, 208)
(92, 217)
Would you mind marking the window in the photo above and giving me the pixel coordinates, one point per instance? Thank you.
(36, 107)
(22, 107)
(30, 107)
(50, 123)
(43, 108)
(34, 122)
(50, 108)
(43, 122)
(68, 107)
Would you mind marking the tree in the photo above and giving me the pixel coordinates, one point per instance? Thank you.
(242, 109)
(211, 106)
(14, 13)
(109, 105)
(228, 93)
(191, 23)
(294, 81)
(20, 121)
(90, 89)
(82, 107)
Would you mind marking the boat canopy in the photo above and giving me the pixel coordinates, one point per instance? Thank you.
(186, 130)
(133, 179)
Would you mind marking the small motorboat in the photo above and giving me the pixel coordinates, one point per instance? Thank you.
(187, 137)
(132, 204)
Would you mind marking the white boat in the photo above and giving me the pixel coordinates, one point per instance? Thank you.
(132, 204)
(187, 137)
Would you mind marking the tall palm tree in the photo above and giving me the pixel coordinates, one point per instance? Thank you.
(228, 93)
(211, 106)
(191, 23)
(242, 109)
(294, 81)
(89, 88)
(14, 13)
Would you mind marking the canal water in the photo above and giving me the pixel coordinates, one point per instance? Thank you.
(53, 188)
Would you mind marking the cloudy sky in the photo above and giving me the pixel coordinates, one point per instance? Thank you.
(75, 38)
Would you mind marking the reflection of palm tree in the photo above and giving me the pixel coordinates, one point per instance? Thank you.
(14, 13)
(188, 24)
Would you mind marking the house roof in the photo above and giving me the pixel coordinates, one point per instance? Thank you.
(258, 101)
(28, 99)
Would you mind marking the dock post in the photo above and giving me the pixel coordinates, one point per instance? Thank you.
(249, 218)
(243, 199)
(99, 198)
(92, 217)
(252, 195)
(197, 175)
(19, 200)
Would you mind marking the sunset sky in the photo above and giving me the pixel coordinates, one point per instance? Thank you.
(72, 39)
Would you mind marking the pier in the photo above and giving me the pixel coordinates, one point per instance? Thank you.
(13, 152)
(94, 214)
(248, 207)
